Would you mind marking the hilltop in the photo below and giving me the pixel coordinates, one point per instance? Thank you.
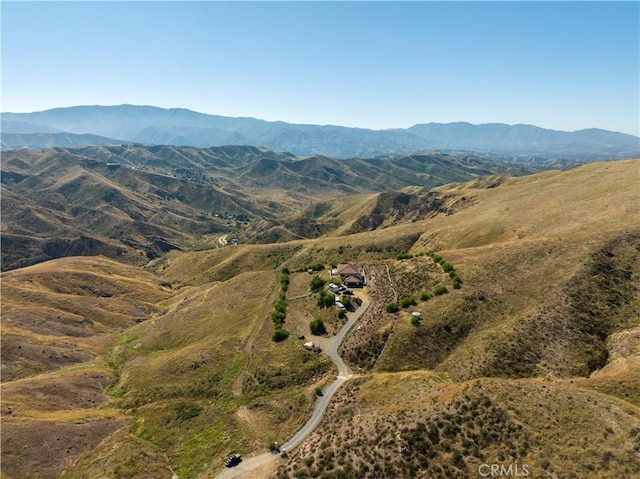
(148, 371)
(179, 126)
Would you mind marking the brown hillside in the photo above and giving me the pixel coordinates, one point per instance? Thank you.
(419, 425)
(66, 311)
(113, 370)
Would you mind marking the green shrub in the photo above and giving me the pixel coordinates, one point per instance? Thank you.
(279, 334)
(281, 306)
(456, 282)
(285, 270)
(314, 267)
(408, 301)
(401, 256)
(341, 314)
(325, 299)
(278, 317)
(317, 327)
(415, 321)
(425, 296)
(391, 307)
(440, 290)
(446, 267)
(316, 282)
(346, 301)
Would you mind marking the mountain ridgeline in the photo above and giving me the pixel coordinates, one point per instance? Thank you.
(177, 126)
(133, 202)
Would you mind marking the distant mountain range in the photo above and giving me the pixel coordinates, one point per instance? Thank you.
(84, 125)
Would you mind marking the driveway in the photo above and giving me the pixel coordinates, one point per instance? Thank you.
(322, 402)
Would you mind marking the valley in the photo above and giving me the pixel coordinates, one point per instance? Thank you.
(139, 285)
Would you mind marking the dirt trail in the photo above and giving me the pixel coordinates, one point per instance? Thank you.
(248, 348)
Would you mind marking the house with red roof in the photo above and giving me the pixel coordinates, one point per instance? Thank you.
(351, 275)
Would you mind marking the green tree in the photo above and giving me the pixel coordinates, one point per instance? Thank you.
(440, 290)
(281, 306)
(408, 301)
(391, 307)
(325, 299)
(317, 327)
(316, 282)
(446, 267)
(279, 334)
(346, 301)
(278, 318)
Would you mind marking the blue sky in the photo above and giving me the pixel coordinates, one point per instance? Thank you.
(561, 65)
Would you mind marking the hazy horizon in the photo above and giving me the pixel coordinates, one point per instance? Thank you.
(315, 124)
(558, 65)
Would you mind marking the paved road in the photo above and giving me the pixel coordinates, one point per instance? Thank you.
(322, 402)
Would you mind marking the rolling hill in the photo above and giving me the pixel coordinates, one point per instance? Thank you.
(177, 126)
(132, 202)
(118, 370)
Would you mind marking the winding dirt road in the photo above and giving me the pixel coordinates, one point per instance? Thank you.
(322, 402)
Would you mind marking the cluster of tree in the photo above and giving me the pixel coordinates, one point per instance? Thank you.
(284, 279)
(326, 299)
(280, 310)
(456, 282)
(393, 307)
(312, 267)
(316, 283)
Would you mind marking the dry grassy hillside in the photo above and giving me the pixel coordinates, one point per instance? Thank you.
(67, 311)
(551, 289)
(184, 372)
(420, 425)
(111, 370)
(58, 321)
